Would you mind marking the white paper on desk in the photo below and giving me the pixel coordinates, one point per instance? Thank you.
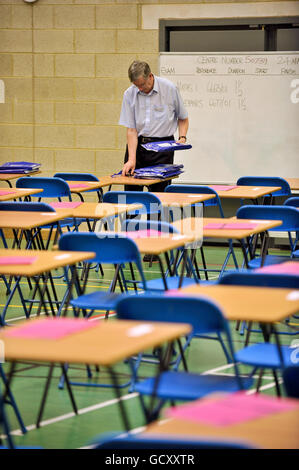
(294, 295)
(65, 255)
(140, 330)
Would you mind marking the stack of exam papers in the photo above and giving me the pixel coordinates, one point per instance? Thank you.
(165, 146)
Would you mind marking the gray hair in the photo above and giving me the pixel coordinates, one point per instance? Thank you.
(138, 69)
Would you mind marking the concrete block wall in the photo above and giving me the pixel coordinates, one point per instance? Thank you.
(64, 66)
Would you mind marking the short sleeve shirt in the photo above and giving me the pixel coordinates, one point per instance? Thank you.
(154, 114)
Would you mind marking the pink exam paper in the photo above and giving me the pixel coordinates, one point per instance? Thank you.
(67, 205)
(51, 328)
(143, 234)
(220, 187)
(240, 226)
(8, 260)
(4, 193)
(291, 267)
(233, 409)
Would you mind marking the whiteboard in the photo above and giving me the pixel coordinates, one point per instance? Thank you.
(243, 114)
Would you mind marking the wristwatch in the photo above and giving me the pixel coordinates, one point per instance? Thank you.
(183, 137)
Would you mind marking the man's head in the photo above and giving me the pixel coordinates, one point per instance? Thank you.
(141, 76)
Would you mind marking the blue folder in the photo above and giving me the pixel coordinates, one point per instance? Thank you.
(19, 167)
(157, 171)
(166, 146)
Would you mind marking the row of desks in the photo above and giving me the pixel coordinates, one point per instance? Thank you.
(107, 181)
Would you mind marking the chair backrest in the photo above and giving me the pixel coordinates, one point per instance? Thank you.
(76, 176)
(113, 248)
(197, 189)
(266, 181)
(292, 201)
(257, 279)
(291, 377)
(151, 441)
(26, 206)
(288, 215)
(202, 314)
(151, 203)
(157, 225)
(52, 187)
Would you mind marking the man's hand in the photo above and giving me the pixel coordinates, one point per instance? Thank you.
(128, 169)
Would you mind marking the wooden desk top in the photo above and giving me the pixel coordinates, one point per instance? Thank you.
(15, 193)
(247, 192)
(99, 210)
(15, 176)
(104, 344)
(84, 186)
(274, 431)
(257, 304)
(44, 261)
(27, 220)
(182, 199)
(157, 245)
(293, 182)
(196, 228)
(130, 180)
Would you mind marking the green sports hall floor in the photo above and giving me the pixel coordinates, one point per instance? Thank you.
(98, 407)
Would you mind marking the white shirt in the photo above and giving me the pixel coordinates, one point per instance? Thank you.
(153, 114)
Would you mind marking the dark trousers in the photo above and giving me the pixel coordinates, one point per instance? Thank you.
(146, 158)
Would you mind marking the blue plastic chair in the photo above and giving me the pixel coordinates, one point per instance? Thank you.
(200, 189)
(171, 282)
(206, 318)
(150, 202)
(267, 181)
(33, 240)
(290, 223)
(293, 202)
(54, 188)
(291, 377)
(82, 177)
(151, 441)
(115, 249)
(259, 279)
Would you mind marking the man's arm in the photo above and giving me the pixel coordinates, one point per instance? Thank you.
(132, 141)
(183, 125)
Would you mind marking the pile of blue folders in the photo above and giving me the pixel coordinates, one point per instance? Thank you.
(159, 171)
(19, 167)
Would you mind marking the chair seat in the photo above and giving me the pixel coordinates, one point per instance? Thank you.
(96, 301)
(270, 259)
(172, 283)
(265, 355)
(185, 386)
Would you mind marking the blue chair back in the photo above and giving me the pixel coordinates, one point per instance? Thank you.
(52, 187)
(197, 189)
(26, 206)
(110, 248)
(252, 278)
(151, 203)
(291, 378)
(160, 441)
(266, 181)
(288, 215)
(292, 201)
(77, 177)
(202, 314)
(158, 225)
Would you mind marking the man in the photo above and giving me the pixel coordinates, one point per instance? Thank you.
(152, 110)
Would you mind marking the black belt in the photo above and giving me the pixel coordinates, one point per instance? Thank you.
(146, 140)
